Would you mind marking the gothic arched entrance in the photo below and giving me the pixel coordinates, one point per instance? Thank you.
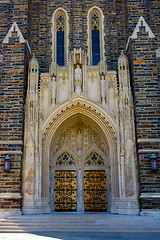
(79, 167)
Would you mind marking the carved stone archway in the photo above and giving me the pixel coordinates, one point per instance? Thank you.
(79, 146)
(89, 113)
(99, 103)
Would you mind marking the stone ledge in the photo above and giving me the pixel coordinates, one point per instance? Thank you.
(150, 195)
(10, 195)
(149, 150)
(11, 142)
(11, 152)
(143, 140)
(4, 1)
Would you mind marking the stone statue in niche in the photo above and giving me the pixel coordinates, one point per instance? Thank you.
(103, 90)
(53, 90)
(78, 79)
(79, 141)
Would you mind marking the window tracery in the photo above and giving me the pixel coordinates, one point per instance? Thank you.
(60, 37)
(65, 159)
(60, 28)
(94, 159)
(95, 36)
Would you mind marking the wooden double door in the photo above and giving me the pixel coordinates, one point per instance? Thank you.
(95, 193)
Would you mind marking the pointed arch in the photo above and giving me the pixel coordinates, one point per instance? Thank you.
(95, 41)
(60, 40)
(66, 113)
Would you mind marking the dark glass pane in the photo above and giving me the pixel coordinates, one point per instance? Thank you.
(60, 48)
(95, 47)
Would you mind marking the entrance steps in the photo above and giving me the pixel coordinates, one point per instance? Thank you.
(79, 222)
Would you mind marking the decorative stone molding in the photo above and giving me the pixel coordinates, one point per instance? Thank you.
(11, 152)
(110, 132)
(11, 195)
(143, 23)
(150, 195)
(5, 1)
(12, 142)
(143, 140)
(79, 103)
(149, 150)
(13, 28)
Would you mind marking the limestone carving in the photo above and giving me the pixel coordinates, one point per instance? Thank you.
(94, 159)
(103, 90)
(65, 125)
(102, 68)
(78, 80)
(53, 69)
(30, 134)
(54, 90)
(79, 138)
(126, 130)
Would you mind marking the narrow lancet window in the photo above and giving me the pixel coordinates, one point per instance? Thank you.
(60, 39)
(60, 27)
(95, 38)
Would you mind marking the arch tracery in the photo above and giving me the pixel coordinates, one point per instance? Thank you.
(79, 106)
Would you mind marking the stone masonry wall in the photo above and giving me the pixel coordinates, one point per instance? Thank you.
(147, 102)
(11, 121)
(4, 20)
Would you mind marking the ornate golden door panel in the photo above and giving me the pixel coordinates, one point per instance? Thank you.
(65, 191)
(95, 191)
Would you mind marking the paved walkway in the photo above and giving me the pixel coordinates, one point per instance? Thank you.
(79, 236)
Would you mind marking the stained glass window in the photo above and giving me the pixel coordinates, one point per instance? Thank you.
(60, 27)
(95, 31)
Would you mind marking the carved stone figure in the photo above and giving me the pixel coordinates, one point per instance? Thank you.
(78, 80)
(53, 90)
(103, 90)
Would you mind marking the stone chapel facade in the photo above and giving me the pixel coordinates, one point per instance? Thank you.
(79, 106)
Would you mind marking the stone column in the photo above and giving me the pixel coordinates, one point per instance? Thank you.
(80, 191)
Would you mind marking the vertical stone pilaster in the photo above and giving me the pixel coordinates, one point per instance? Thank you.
(128, 202)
